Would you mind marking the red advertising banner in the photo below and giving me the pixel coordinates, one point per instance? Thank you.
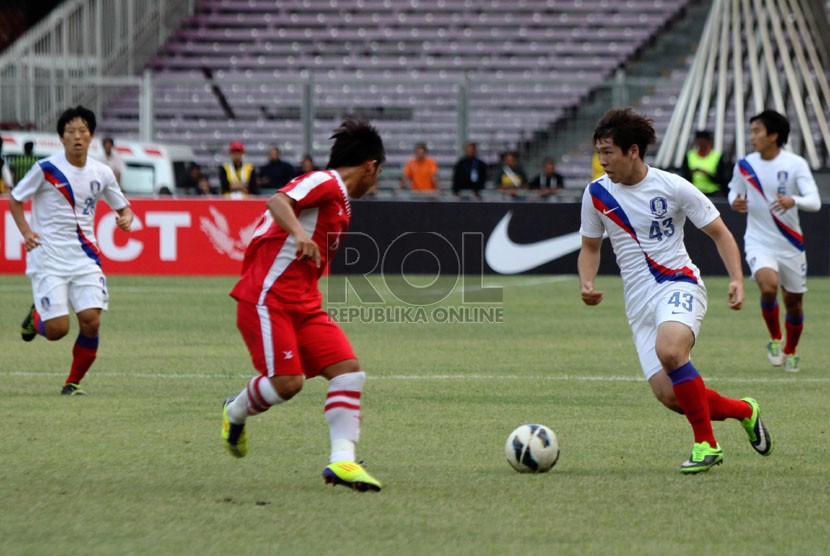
(172, 237)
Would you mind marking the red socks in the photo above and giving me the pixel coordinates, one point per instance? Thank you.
(83, 355)
(794, 327)
(770, 313)
(691, 395)
(721, 409)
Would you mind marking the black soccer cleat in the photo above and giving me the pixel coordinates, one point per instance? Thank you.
(27, 327)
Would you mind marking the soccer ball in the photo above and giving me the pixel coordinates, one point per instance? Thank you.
(532, 449)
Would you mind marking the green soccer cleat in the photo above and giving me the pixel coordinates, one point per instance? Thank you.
(234, 436)
(27, 327)
(791, 363)
(72, 389)
(759, 436)
(350, 474)
(703, 458)
(774, 353)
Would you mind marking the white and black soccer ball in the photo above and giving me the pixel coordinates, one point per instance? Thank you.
(532, 449)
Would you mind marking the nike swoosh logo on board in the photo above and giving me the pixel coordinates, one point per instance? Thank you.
(506, 257)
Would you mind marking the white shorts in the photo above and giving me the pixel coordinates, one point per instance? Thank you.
(678, 302)
(53, 294)
(791, 269)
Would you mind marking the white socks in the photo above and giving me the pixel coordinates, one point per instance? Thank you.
(343, 414)
(257, 397)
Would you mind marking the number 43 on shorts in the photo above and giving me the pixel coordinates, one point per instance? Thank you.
(681, 299)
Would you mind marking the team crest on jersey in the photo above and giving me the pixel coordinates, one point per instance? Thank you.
(659, 206)
(45, 303)
(783, 175)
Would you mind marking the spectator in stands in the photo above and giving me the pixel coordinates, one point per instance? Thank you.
(22, 163)
(112, 159)
(548, 181)
(512, 178)
(276, 173)
(306, 165)
(420, 174)
(203, 187)
(470, 171)
(190, 184)
(237, 178)
(6, 180)
(705, 167)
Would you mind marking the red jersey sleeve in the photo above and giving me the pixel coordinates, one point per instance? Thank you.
(312, 190)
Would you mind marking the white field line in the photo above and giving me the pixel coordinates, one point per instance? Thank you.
(417, 377)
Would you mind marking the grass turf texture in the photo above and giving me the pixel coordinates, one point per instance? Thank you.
(137, 467)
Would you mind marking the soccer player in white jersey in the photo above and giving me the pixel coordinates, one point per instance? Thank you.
(279, 306)
(63, 260)
(771, 185)
(643, 210)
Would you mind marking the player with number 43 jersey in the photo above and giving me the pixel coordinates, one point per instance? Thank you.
(643, 210)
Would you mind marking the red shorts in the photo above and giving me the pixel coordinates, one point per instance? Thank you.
(284, 342)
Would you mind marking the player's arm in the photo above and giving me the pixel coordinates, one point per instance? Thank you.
(731, 257)
(737, 191)
(808, 200)
(124, 220)
(30, 237)
(588, 265)
(281, 207)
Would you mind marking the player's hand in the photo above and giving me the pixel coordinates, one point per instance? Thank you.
(31, 240)
(739, 204)
(591, 296)
(308, 250)
(735, 298)
(124, 221)
(782, 204)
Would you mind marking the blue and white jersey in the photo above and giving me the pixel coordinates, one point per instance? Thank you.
(645, 225)
(760, 181)
(64, 198)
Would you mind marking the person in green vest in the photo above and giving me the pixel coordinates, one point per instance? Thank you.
(705, 167)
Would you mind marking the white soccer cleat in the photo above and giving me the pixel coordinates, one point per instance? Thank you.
(774, 353)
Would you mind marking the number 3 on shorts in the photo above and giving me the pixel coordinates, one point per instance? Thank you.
(685, 303)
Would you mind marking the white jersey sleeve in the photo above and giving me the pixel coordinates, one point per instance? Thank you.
(591, 225)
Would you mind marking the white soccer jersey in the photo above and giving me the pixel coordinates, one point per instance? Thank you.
(760, 181)
(645, 225)
(64, 198)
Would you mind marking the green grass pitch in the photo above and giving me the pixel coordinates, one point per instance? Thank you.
(137, 467)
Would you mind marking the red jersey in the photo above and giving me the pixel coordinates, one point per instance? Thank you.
(271, 273)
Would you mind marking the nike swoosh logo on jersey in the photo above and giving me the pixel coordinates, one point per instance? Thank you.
(506, 257)
(606, 212)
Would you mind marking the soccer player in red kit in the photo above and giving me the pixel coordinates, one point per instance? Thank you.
(279, 311)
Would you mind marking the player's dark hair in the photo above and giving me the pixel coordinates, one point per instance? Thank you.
(355, 142)
(625, 128)
(774, 123)
(704, 134)
(87, 115)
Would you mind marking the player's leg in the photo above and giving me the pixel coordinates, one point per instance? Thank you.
(793, 279)
(325, 349)
(764, 271)
(269, 335)
(49, 314)
(679, 312)
(88, 296)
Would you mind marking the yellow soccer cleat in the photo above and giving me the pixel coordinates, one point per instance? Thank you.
(350, 474)
(235, 437)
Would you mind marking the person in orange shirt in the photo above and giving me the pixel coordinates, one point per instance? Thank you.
(421, 172)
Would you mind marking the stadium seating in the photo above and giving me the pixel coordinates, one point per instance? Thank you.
(400, 63)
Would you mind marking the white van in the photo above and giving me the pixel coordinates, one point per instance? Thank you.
(149, 166)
